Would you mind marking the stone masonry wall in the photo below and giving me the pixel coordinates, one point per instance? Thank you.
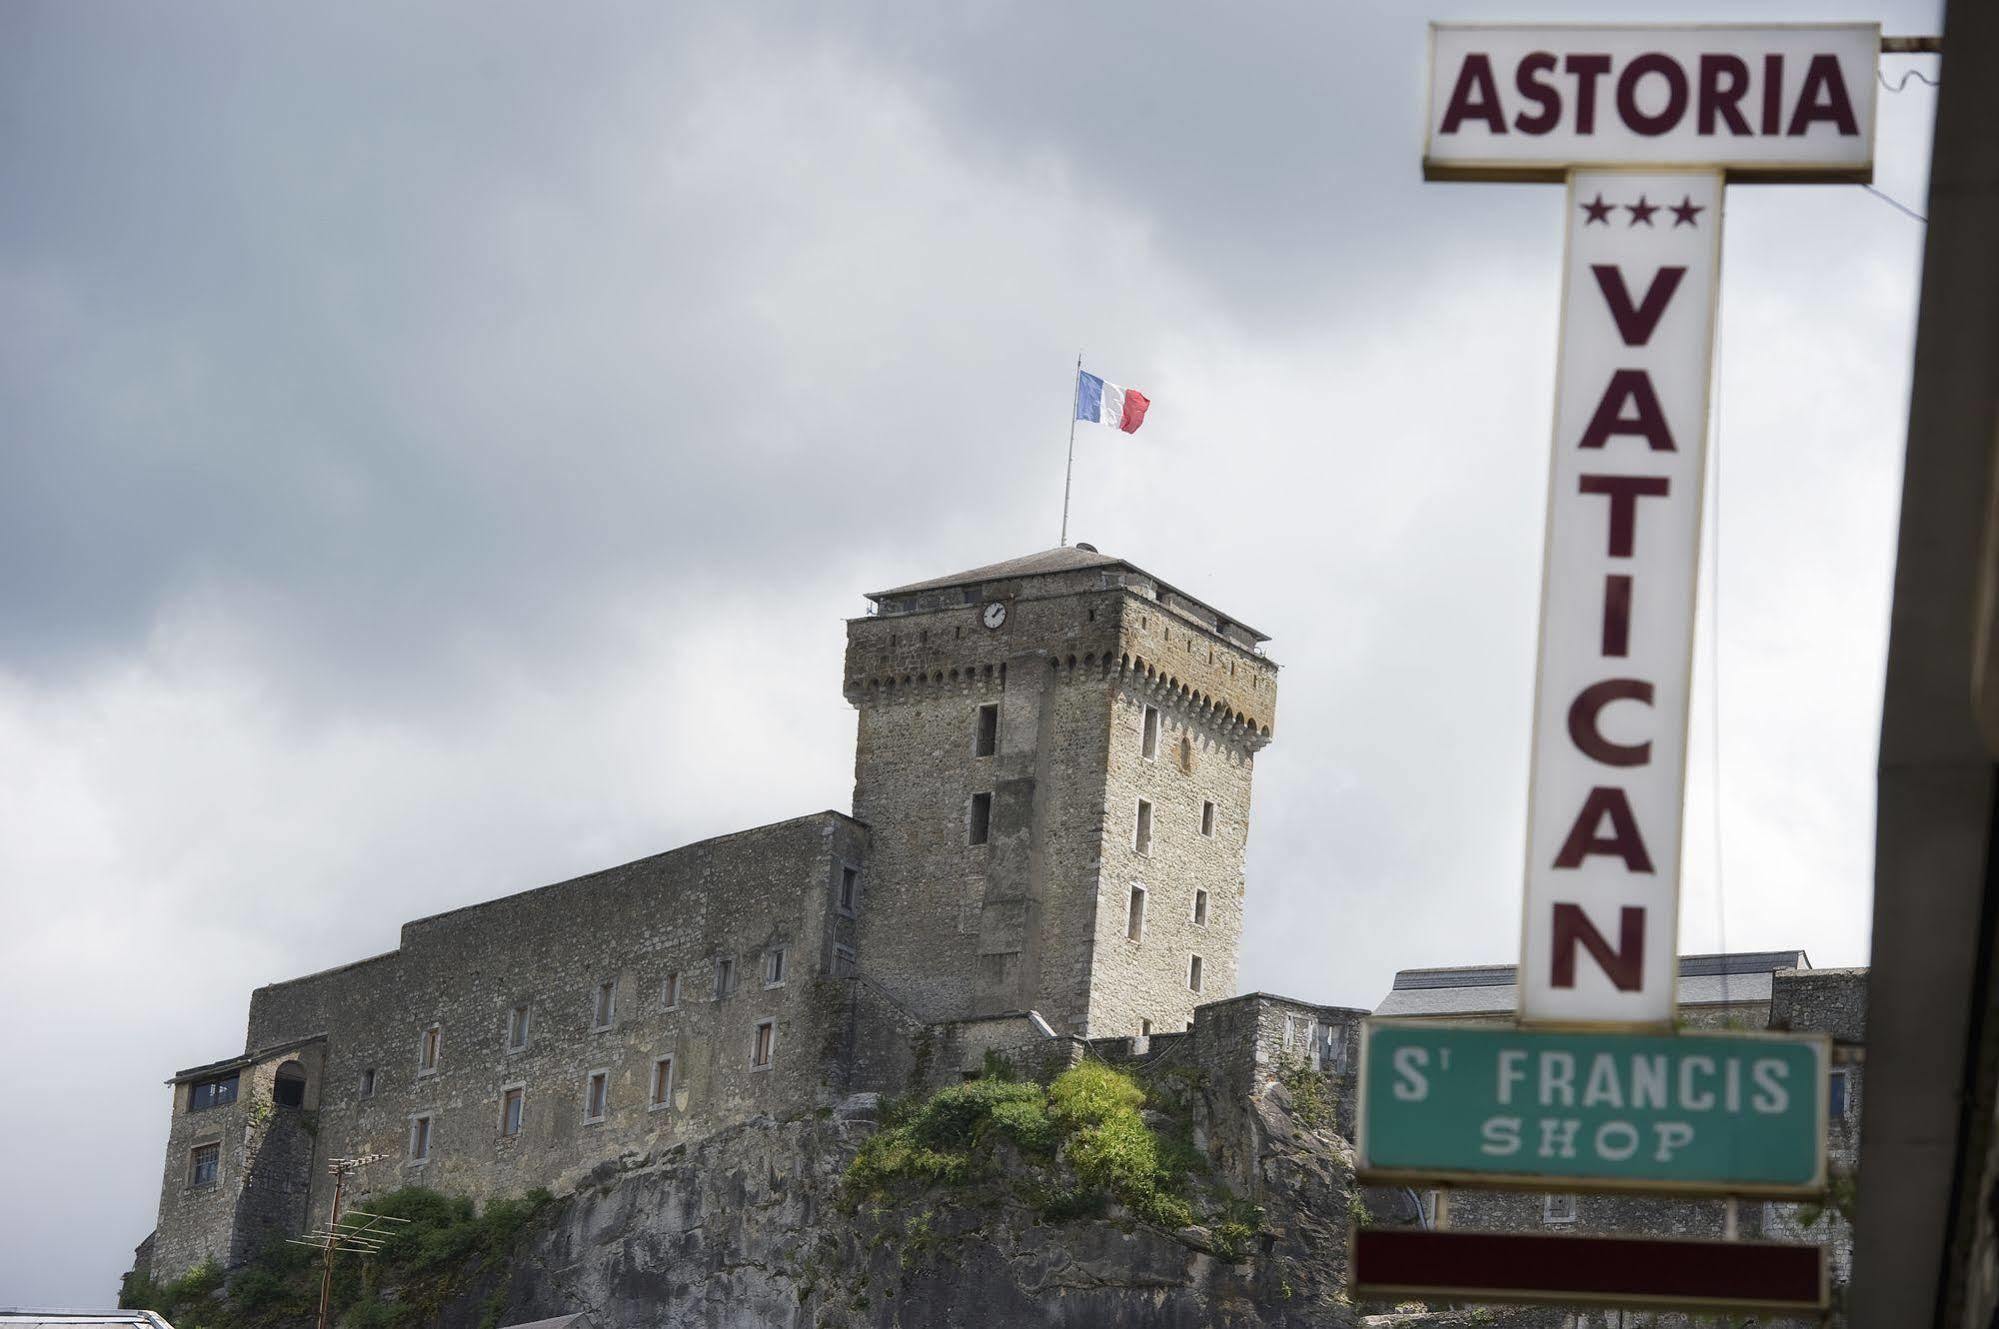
(264, 1163)
(1146, 982)
(1037, 917)
(958, 929)
(741, 896)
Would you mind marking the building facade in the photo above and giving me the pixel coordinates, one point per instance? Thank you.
(1051, 807)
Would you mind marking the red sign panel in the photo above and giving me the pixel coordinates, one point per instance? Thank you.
(1387, 1263)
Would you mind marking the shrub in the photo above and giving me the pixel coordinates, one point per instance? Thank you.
(1090, 1114)
(1092, 1094)
(949, 1137)
(426, 1259)
(1111, 1147)
(967, 1114)
(1314, 1098)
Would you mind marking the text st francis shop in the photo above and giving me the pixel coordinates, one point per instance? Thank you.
(1644, 126)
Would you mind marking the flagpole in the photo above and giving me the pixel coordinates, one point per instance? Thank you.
(1069, 473)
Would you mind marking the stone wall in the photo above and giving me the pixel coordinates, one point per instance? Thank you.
(968, 930)
(1036, 918)
(464, 973)
(263, 1163)
(1238, 1051)
(1136, 984)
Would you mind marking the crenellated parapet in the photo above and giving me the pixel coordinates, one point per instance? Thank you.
(1217, 716)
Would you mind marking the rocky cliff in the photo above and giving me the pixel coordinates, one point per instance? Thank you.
(754, 1227)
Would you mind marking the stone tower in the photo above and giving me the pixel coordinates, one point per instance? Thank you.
(1054, 761)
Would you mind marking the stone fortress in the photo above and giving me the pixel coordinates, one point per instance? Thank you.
(1051, 808)
(1051, 805)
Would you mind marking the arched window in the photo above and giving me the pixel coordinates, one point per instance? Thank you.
(289, 1090)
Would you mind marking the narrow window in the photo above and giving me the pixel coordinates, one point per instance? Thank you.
(1134, 916)
(1836, 1095)
(774, 967)
(760, 1050)
(1558, 1209)
(844, 964)
(517, 1029)
(985, 739)
(204, 1165)
(1194, 973)
(596, 1094)
(981, 827)
(1207, 818)
(368, 1083)
(725, 976)
(1148, 747)
(1200, 908)
(1186, 755)
(1141, 835)
(662, 1083)
(850, 890)
(433, 1044)
(419, 1139)
(607, 1004)
(669, 991)
(511, 1103)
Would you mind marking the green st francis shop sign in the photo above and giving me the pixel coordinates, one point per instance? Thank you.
(1709, 1113)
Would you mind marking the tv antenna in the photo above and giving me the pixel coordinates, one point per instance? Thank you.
(356, 1230)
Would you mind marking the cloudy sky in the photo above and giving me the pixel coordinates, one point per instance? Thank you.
(441, 445)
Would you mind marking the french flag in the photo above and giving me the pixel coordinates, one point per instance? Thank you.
(1108, 404)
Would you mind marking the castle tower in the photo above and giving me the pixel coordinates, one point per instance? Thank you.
(1054, 761)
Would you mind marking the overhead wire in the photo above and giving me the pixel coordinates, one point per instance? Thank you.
(1714, 652)
(1902, 208)
(1903, 82)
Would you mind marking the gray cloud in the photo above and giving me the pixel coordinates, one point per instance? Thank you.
(434, 437)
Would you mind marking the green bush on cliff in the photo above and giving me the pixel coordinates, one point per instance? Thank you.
(949, 1137)
(1111, 1147)
(1088, 1119)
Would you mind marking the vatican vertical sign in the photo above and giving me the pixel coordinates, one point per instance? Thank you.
(1644, 125)
(1617, 610)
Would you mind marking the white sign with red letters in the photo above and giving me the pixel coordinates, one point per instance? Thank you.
(1618, 591)
(1785, 102)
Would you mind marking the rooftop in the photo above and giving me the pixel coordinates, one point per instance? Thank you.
(1052, 562)
(1064, 558)
(1705, 980)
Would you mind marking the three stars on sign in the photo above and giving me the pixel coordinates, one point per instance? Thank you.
(1684, 212)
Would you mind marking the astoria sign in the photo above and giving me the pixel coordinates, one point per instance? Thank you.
(1783, 103)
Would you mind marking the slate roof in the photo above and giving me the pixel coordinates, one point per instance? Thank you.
(1067, 558)
(240, 1060)
(1064, 558)
(1705, 980)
